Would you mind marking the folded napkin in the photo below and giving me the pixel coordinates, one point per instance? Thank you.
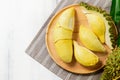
(38, 51)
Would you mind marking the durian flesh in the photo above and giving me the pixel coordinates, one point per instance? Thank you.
(90, 40)
(110, 29)
(97, 25)
(67, 19)
(84, 56)
(63, 31)
(62, 35)
(64, 50)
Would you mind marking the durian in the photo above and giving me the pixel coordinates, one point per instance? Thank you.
(67, 19)
(110, 29)
(62, 35)
(90, 40)
(112, 67)
(84, 56)
(92, 37)
(64, 50)
(97, 25)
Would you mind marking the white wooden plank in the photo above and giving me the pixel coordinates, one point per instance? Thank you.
(27, 17)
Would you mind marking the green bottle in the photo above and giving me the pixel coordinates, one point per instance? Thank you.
(115, 13)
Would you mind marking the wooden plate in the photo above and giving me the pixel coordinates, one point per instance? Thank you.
(74, 66)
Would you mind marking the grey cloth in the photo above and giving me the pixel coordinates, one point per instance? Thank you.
(38, 51)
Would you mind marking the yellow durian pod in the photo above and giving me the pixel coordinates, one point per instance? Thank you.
(84, 56)
(97, 25)
(90, 40)
(63, 35)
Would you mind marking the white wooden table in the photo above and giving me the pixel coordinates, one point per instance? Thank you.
(20, 20)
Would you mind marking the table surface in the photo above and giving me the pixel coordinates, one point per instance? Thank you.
(20, 20)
